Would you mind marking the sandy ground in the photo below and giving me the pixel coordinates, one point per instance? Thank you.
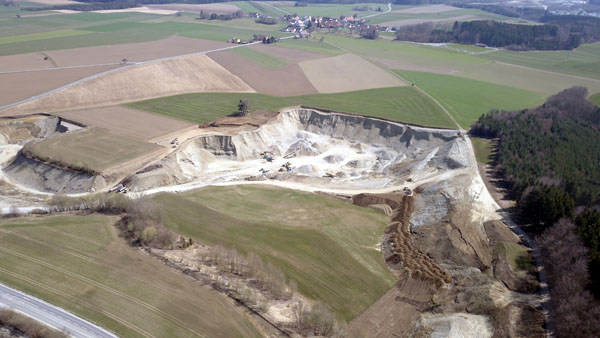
(408, 22)
(427, 9)
(287, 80)
(139, 10)
(20, 86)
(196, 73)
(345, 73)
(208, 8)
(288, 54)
(135, 123)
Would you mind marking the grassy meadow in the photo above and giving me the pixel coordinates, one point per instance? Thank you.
(79, 263)
(327, 246)
(403, 104)
(595, 99)
(468, 99)
(483, 149)
(94, 149)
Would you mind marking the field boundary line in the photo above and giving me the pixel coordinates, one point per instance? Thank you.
(546, 71)
(63, 68)
(403, 79)
(102, 286)
(274, 7)
(91, 241)
(66, 295)
(97, 75)
(91, 260)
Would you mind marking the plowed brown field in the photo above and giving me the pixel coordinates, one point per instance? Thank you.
(208, 8)
(287, 80)
(20, 86)
(196, 73)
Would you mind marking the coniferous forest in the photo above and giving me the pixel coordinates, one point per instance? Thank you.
(549, 158)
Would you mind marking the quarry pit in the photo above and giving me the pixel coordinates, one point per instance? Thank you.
(440, 241)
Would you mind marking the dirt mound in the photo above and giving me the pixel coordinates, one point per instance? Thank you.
(196, 73)
(397, 247)
(17, 130)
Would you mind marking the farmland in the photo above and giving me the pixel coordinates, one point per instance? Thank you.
(346, 73)
(468, 99)
(259, 58)
(80, 264)
(416, 57)
(399, 103)
(125, 121)
(94, 149)
(582, 61)
(325, 245)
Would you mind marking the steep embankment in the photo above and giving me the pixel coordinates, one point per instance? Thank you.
(323, 149)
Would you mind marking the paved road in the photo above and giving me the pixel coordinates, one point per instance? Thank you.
(50, 315)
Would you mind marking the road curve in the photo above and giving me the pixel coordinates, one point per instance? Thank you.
(50, 315)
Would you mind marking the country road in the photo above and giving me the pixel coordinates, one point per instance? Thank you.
(376, 14)
(50, 315)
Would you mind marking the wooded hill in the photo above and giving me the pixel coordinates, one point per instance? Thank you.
(556, 33)
(549, 157)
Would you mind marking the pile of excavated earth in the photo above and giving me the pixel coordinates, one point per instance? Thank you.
(444, 237)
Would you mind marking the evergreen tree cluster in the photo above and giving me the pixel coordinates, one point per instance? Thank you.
(549, 157)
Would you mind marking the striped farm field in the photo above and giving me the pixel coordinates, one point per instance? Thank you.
(403, 104)
(468, 99)
(81, 264)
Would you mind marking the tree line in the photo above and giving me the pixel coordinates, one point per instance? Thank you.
(553, 35)
(549, 159)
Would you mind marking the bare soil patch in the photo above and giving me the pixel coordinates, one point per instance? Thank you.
(427, 9)
(288, 54)
(20, 86)
(133, 52)
(11, 63)
(138, 10)
(393, 314)
(347, 72)
(282, 81)
(195, 73)
(126, 121)
(208, 8)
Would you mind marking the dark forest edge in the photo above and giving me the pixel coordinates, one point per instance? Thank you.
(549, 159)
(557, 33)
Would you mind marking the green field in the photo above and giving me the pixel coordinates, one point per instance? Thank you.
(403, 104)
(259, 58)
(42, 36)
(325, 245)
(483, 149)
(583, 61)
(108, 29)
(475, 13)
(468, 99)
(411, 56)
(81, 264)
(311, 46)
(94, 149)
(595, 99)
